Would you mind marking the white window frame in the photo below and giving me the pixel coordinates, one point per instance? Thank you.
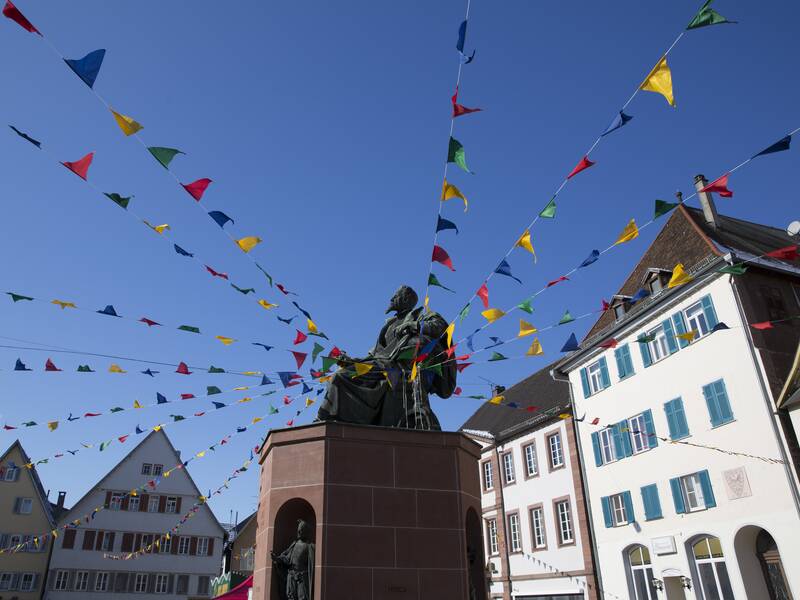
(162, 583)
(25, 503)
(148, 539)
(140, 583)
(115, 503)
(183, 544)
(152, 504)
(491, 534)
(659, 349)
(637, 427)
(165, 546)
(556, 451)
(81, 581)
(11, 474)
(147, 469)
(133, 503)
(157, 470)
(514, 533)
(202, 546)
(692, 493)
(565, 530)
(711, 560)
(101, 581)
(695, 318)
(488, 476)
(656, 285)
(62, 580)
(647, 572)
(608, 453)
(531, 460)
(31, 582)
(5, 581)
(537, 526)
(619, 513)
(508, 468)
(595, 376)
(171, 505)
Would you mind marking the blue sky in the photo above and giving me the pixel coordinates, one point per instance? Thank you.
(325, 130)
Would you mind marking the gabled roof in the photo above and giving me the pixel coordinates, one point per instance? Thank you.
(37, 483)
(539, 390)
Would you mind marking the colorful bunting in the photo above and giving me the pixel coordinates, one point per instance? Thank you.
(182, 252)
(299, 338)
(164, 155)
(12, 12)
(220, 218)
(49, 366)
(660, 81)
(555, 281)
(567, 318)
(525, 306)
(85, 369)
(455, 154)
(443, 224)
(679, 277)
(63, 304)
(458, 109)
(450, 329)
(608, 344)
(525, 328)
(227, 341)
(497, 356)
(126, 123)
(720, 186)
(584, 164)
(688, 336)
(362, 368)
(706, 16)
(87, 67)
(115, 368)
(524, 241)
(505, 269)
(183, 369)
(492, 314)
(26, 137)
(108, 310)
(779, 146)
(267, 305)
(197, 188)
(299, 357)
(216, 273)
(593, 256)
(449, 191)
(739, 269)
(787, 253)
(535, 349)
(440, 255)
(433, 280)
(549, 211)
(121, 201)
(18, 297)
(630, 232)
(189, 328)
(663, 208)
(483, 294)
(80, 167)
(620, 120)
(571, 344)
(248, 243)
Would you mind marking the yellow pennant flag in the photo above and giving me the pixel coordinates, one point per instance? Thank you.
(157, 228)
(497, 399)
(535, 349)
(525, 328)
(524, 241)
(251, 373)
(127, 124)
(426, 303)
(267, 305)
(449, 191)
(309, 402)
(679, 277)
(312, 327)
(201, 454)
(660, 81)
(492, 314)
(413, 375)
(362, 368)
(225, 340)
(256, 420)
(564, 416)
(245, 399)
(63, 304)
(688, 336)
(450, 329)
(325, 379)
(631, 232)
(241, 388)
(157, 428)
(166, 474)
(115, 368)
(248, 243)
(136, 404)
(52, 425)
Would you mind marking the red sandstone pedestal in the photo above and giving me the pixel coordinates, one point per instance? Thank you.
(395, 512)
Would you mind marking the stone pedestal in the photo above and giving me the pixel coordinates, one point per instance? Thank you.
(395, 513)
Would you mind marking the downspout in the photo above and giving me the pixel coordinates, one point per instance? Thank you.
(767, 404)
(584, 486)
(503, 521)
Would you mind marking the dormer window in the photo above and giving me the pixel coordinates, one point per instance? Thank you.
(656, 280)
(620, 305)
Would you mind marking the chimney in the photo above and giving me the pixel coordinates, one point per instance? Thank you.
(60, 504)
(706, 202)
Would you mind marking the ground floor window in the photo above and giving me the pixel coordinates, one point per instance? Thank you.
(640, 574)
(712, 572)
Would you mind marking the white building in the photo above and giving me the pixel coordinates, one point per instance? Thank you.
(180, 568)
(535, 521)
(672, 519)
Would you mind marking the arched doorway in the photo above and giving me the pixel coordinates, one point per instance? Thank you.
(639, 572)
(711, 579)
(476, 561)
(285, 532)
(763, 571)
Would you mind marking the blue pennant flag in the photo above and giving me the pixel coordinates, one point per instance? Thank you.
(220, 217)
(20, 366)
(265, 380)
(444, 224)
(640, 295)
(286, 377)
(620, 120)
(150, 372)
(320, 390)
(160, 398)
(496, 341)
(108, 310)
(306, 389)
(779, 146)
(87, 67)
(571, 344)
(218, 405)
(505, 269)
(241, 429)
(139, 429)
(429, 347)
(720, 327)
(71, 418)
(462, 36)
(287, 321)
(264, 346)
(182, 252)
(595, 254)
(305, 312)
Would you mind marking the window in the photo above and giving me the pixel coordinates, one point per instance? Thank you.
(638, 429)
(537, 528)
(158, 469)
(147, 469)
(656, 285)
(676, 419)
(11, 474)
(116, 501)
(23, 506)
(140, 583)
(617, 509)
(202, 585)
(133, 503)
(640, 574)
(619, 513)
(658, 345)
(711, 569)
(247, 560)
(183, 585)
(5, 581)
(696, 319)
(488, 480)
(28, 582)
(202, 546)
(81, 581)
(508, 468)
(62, 578)
(719, 407)
(513, 530)
(152, 504)
(564, 519)
(183, 545)
(692, 492)
(161, 583)
(491, 535)
(101, 582)
(147, 541)
(166, 545)
(172, 504)
(624, 362)
(106, 541)
(531, 464)
(14, 540)
(619, 311)
(594, 378)
(556, 451)
(607, 453)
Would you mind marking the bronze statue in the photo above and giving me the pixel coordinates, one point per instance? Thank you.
(385, 395)
(295, 565)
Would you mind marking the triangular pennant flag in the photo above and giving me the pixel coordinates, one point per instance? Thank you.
(248, 243)
(183, 369)
(80, 167)
(463, 313)
(525, 306)
(300, 337)
(462, 36)
(739, 269)
(571, 344)
(688, 336)
(787, 253)
(189, 328)
(440, 255)
(312, 327)
(362, 368)
(315, 352)
(646, 339)
(18, 297)
(443, 225)
(779, 146)
(126, 123)
(309, 402)
(244, 291)
(608, 344)
(549, 211)
(449, 191)
(268, 305)
(216, 273)
(619, 120)
(197, 188)
(62, 304)
(299, 357)
(121, 201)
(706, 16)
(492, 314)
(164, 155)
(483, 294)
(555, 281)
(87, 67)
(26, 137)
(433, 280)
(227, 341)
(679, 277)
(52, 425)
(455, 154)
(505, 269)
(663, 208)
(630, 232)
(640, 295)
(535, 349)
(161, 398)
(12, 12)
(582, 165)
(150, 372)
(524, 241)
(496, 399)
(525, 328)
(567, 318)
(115, 368)
(719, 327)
(593, 256)
(108, 310)
(762, 326)
(84, 369)
(182, 252)
(136, 404)
(497, 356)
(720, 186)
(220, 218)
(449, 331)
(660, 81)
(49, 366)
(458, 109)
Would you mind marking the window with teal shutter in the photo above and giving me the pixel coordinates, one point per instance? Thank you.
(645, 350)
(624, 362)
(585, 382)
(652, 440)
(626, 499)
(719, 408)
(608, 517)
(622, 440)
(708, 309)
(676, 419)
(680, 327)
(669, 334)
(677, 495)
(652, 504)
(604, 372)
(598, 457)
(708, 492)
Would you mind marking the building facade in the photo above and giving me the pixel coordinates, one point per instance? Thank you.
(691, 485)
(534, 516)
(180, 566)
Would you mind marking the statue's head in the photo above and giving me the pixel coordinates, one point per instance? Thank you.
(302, 530)
(403, 301)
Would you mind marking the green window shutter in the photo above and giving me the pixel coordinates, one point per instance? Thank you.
(677, 495)
(626, 500)
(711, 403)
(708, 492)
(604, 372)
(652, 440)
(598, 457)
(652, 505)
(585, 382)
(680, 327)
(669, 332)
(606, 502)
(645, 349)
(708, 309)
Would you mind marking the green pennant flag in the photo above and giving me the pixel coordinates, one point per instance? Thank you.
(189, 328)
(407, 354)
(433, 280)
(497, 356)
(315, 352)
(464, 312)
(273, 410)
(85, 369)
(455, 154)
(164, 155)
(121, 201)
(30, 423)
(176, 418)
(267, 275)
(212, 389)
(18, 297)
(327, 363)
(707, 16)
(244, 291)
(477, 397)
(213, 369)
(734, 269)
(663, 208)
(549, 211)
(319, 334)
(644, 339)
(526, 306)
(567, 318)
(116, 409)
(269, 393)
(104, 445)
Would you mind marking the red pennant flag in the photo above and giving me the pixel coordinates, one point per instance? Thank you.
(609, 343)
(187, 396)
(584, 164)
(149, 322)
(283, 289)
(462, 366)
(457, 391)
(92, 414)
(197, 188)
(440, 255)
(463, 357)
(605, 305)
(335, 353)
(122, 438)
(13, 13)
(291, 383)
(458, 109)
(555, 281)
(720, 186)
(763, 325)
(450, 351)
(216, 273)
(8, 427)
(183, 369)
(300, 358)
(49, 366)
(595, 421)
(287, 401)
(787, 253)
(290, 423)
(315, 374)
(200, 414)
(421, 357)
(531, 408)
(299, 338)
(80, 167)
(483, 294)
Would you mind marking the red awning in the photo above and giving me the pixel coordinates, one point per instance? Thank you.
(239, 592)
